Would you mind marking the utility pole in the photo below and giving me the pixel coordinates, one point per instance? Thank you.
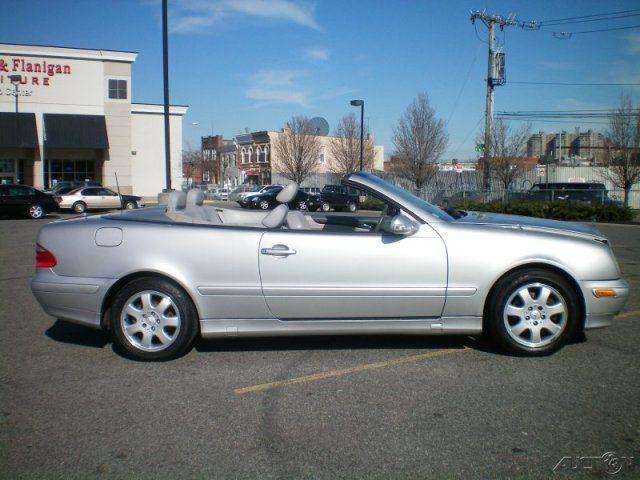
(165, 77)
(490, 20)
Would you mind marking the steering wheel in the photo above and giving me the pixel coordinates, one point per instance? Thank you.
(385, 210)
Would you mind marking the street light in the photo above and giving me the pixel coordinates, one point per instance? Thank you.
(360, 103)
(16, 79)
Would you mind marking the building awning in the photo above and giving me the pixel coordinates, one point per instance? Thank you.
(18, 132)
(75, 131)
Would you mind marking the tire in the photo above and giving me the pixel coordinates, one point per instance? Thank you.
(352, 207)
(164, 328)
(35, 211)
(302, 205)
(264, 205)
(79, 207)
(537, 327)
(325, 207)
(130, 205)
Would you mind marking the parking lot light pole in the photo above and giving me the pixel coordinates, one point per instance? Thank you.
(165, 74)
(360, 103)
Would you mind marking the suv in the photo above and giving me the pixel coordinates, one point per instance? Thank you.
(573, 192)
(24, 200)
(338, 197)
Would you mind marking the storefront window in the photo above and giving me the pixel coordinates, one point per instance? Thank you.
(70, 170)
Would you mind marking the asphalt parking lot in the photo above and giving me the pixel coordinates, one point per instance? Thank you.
(336, 407)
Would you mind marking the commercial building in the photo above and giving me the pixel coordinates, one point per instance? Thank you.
(75, 121)
(577, 147)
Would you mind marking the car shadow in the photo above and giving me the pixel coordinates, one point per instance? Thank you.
(343, 342)
(67, 332)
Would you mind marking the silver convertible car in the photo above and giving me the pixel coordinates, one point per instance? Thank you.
(158, 277)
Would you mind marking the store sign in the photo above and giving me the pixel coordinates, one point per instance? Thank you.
(31, 73)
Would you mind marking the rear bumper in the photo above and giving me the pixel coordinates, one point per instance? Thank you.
(74, 299)
(601, 311)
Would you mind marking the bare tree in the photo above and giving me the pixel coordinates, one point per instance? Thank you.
(624, 156)
(345, 147)
(420, 139)
(507, 146)
(297, 149)
(192, 163)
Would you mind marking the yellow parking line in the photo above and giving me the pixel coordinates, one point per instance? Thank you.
(632, 313)
(345, 371)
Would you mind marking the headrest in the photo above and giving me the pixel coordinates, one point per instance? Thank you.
(275, 218)
(288, 193)
(195, 196)
(177, 201)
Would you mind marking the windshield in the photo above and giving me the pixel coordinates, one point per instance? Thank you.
(407, 197)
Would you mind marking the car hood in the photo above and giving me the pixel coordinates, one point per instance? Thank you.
(531, 223)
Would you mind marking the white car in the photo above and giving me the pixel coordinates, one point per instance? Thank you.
(98, 198)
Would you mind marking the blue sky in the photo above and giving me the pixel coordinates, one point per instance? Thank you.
(255, 63)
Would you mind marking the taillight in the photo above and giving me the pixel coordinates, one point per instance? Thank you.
(44, 258)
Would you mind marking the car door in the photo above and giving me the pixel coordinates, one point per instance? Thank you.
(109, 198)
(18, 199)
(355, 275)
(91, 196)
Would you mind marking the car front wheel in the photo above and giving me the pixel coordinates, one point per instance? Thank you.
(130, 205)
(264, 205)
(153, 319)
(533, 312)
(325, 207)
(35, 211)
(352, 207)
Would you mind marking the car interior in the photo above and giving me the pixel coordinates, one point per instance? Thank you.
(189, 208)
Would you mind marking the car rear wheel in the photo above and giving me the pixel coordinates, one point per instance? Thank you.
(35, 211)
(130, 205)
(533, 312)
(153, 319)
(79, 207)
(264, 205)
(302, 205)
(352, 207)
(325, 207)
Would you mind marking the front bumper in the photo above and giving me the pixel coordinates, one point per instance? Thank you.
(601, 310)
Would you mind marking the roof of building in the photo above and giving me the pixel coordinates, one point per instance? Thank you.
(68, 52)
(158, 109)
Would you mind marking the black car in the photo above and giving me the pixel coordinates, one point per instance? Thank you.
(572, 192)
(24, 200)
(338, 197)
(267, 201)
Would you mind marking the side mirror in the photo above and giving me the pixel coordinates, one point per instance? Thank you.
(403, 225)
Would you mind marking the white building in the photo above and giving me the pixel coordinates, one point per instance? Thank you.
(76, 121)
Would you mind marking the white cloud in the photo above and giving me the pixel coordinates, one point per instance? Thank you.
(196, 15)
(319, 54)
(634, 43)
(276, 86)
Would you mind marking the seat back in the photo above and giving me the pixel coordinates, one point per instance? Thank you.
(195, 198)
(278, 215)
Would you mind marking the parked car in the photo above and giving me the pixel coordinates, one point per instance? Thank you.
(245, 198)
(268, 200)
(242, 189)
(98, 198)
(24, 200)
(338, 197)
(413, 269)
(565, 191)
(220, 194)
(64, 187)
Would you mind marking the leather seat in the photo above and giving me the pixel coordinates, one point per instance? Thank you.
(196, 210)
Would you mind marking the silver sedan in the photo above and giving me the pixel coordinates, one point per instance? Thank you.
(157, 278)
(98, 198)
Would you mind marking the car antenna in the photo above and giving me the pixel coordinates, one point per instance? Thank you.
(118, 188)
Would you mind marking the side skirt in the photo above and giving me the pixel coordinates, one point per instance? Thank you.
(272, 327)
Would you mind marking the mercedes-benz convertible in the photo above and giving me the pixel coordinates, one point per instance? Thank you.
(159, 277)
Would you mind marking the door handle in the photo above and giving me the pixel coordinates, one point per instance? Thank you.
(278, 251)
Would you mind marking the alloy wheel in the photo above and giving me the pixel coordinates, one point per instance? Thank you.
(264, 205)
(535, 314)
(150, 320)
(36, 211)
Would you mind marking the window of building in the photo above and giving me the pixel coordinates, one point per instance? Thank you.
(250, 154)
(322, 155)
(244, 156)
(258, 154)
(118, 89)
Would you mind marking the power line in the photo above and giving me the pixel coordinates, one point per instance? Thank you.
(590, 16)
(616, 17)
(570, 34)
(584, 84)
